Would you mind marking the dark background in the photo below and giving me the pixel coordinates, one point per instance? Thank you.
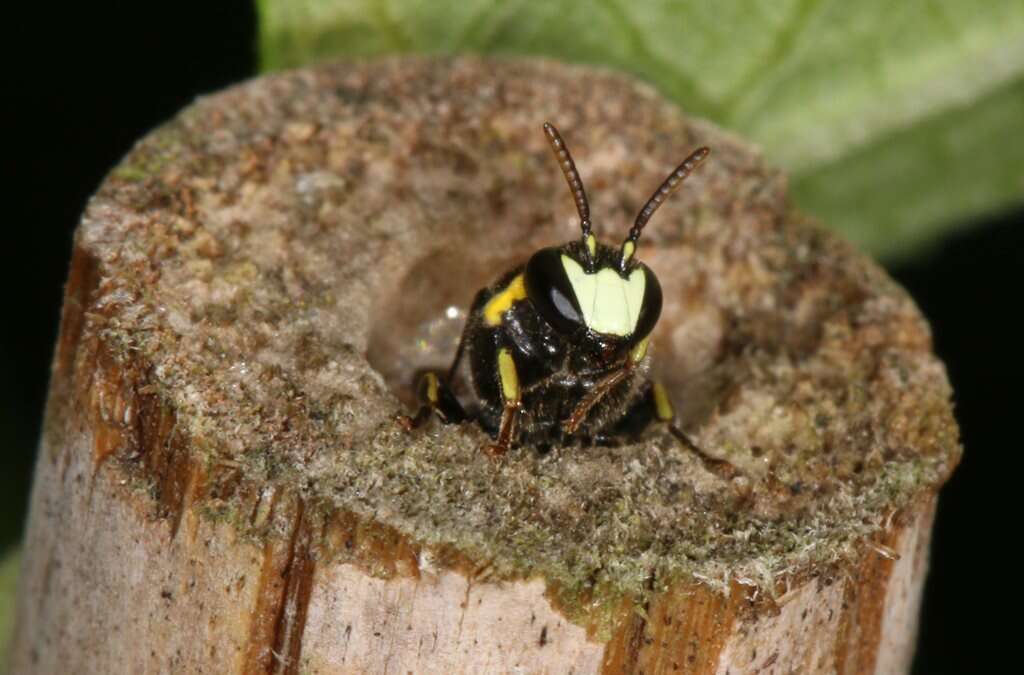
(90, 87)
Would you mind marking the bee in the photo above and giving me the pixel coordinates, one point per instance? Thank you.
(558, 347)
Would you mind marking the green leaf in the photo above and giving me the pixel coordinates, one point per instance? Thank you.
(884, 113)
(895, 193)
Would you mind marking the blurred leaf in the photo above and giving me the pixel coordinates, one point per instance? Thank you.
(964, 161)
(9, 567)
(875, 107)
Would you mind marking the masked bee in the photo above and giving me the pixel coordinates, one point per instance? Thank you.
(557, 347)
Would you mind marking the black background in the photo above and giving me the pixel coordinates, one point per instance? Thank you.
(89, 86)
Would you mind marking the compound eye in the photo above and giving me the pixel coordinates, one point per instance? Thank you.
(548, 288)
(650, 308)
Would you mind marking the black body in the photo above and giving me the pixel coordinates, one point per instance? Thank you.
(555, 370)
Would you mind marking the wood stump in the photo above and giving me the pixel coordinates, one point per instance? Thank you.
(222, 486)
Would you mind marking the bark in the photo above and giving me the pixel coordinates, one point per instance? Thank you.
(221, 486)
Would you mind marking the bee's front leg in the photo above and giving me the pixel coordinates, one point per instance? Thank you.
(602, 387)
(508, 377)
(593, 397)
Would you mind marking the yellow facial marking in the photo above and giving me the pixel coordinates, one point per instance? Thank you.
(609, 303)
(639, 352)
(662, 405)
(592, 245)
(502, 301)
(627, 250)
(508, 376)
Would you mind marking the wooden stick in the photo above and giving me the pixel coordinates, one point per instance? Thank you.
(221, 486)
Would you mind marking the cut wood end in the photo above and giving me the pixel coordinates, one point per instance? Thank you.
(255, 286)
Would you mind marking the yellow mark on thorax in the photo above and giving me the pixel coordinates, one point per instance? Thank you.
(502, 301)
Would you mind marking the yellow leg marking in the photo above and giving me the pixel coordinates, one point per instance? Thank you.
(592, 245)
(508, 376)
(510, 392)
(502, 301)
(430, 380)
(639, 352)
(662, 404)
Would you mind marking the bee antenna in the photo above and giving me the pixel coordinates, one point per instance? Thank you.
(666, 188)
(572, 177)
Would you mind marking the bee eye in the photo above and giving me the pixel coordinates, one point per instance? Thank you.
(550, 291)
(650, 309)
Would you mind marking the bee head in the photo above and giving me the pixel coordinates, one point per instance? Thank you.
(585, 288)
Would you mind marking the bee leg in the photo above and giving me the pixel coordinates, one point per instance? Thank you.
(437, 399)
(506, 432)
(510, 394)
(435, 396)
(593, 397)
(665, 413)
(601, 388)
